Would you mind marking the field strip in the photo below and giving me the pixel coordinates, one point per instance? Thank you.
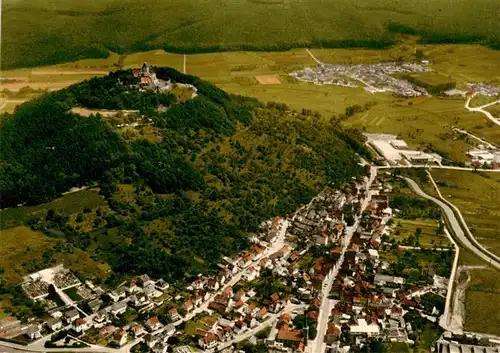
(381, 120)
(68, 73)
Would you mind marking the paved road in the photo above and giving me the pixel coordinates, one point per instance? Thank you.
(481, 109)
(445, 319)
(465, 239)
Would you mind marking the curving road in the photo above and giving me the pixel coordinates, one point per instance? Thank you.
(465, 239)
(481, 109)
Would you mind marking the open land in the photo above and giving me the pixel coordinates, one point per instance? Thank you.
(422, 121)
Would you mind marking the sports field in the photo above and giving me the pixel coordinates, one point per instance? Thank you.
(36, 34)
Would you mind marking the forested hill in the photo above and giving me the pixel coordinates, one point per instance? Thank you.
(217, 166)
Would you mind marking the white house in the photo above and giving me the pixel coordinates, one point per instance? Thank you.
(54, 324)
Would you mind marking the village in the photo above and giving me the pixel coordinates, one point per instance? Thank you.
(372, 77)
(316, 281)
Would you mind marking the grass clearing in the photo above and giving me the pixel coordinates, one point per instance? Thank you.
(15, 259)
(67, 205)
(428, 237)
(477, 196)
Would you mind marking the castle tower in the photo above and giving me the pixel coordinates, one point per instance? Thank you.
(145, 69)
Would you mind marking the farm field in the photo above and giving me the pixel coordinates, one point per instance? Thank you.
(424, 122)
(70, 30)
(481, 302)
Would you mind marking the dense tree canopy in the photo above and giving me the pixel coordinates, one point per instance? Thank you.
(223, 164)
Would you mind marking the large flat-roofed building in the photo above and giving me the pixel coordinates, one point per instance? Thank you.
(416, 157)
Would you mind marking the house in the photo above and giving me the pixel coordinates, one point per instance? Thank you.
(239, 295)
(137, 330)
(173, 314)
(225, 322)
(261, 314)
(169, 330)
(132, 287)
(150, 291)
(382, 280)
(33, 332)
(160, 347)
(209, 341)
(117, 294)
(240, 326)
(9, 323)
(250, 274)
(118, 308)
(332, 333)
(120, 337)
(80, 325)
(145, 281)
(213, 284)
(197, 299)
(53, 324)
(151, 340)
(101, 316)
(153, 324)
(107, 330)
(71, 315)
(188, 305)
(94, 305)
(290, 336)
(362, 327)
(162, 285)
(373, 254)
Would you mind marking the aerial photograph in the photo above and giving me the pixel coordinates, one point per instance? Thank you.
(250, 176)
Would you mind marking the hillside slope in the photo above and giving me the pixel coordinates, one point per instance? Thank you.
(39, 32)
(182, 186)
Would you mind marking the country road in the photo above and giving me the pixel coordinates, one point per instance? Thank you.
(456, 228)
(438, 167)
(481, 109)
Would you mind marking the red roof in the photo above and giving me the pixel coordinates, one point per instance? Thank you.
(293, 335)
(333, 330)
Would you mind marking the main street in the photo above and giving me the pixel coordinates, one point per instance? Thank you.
(318, 345)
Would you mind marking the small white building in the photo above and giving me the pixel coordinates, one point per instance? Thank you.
(362, 327)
